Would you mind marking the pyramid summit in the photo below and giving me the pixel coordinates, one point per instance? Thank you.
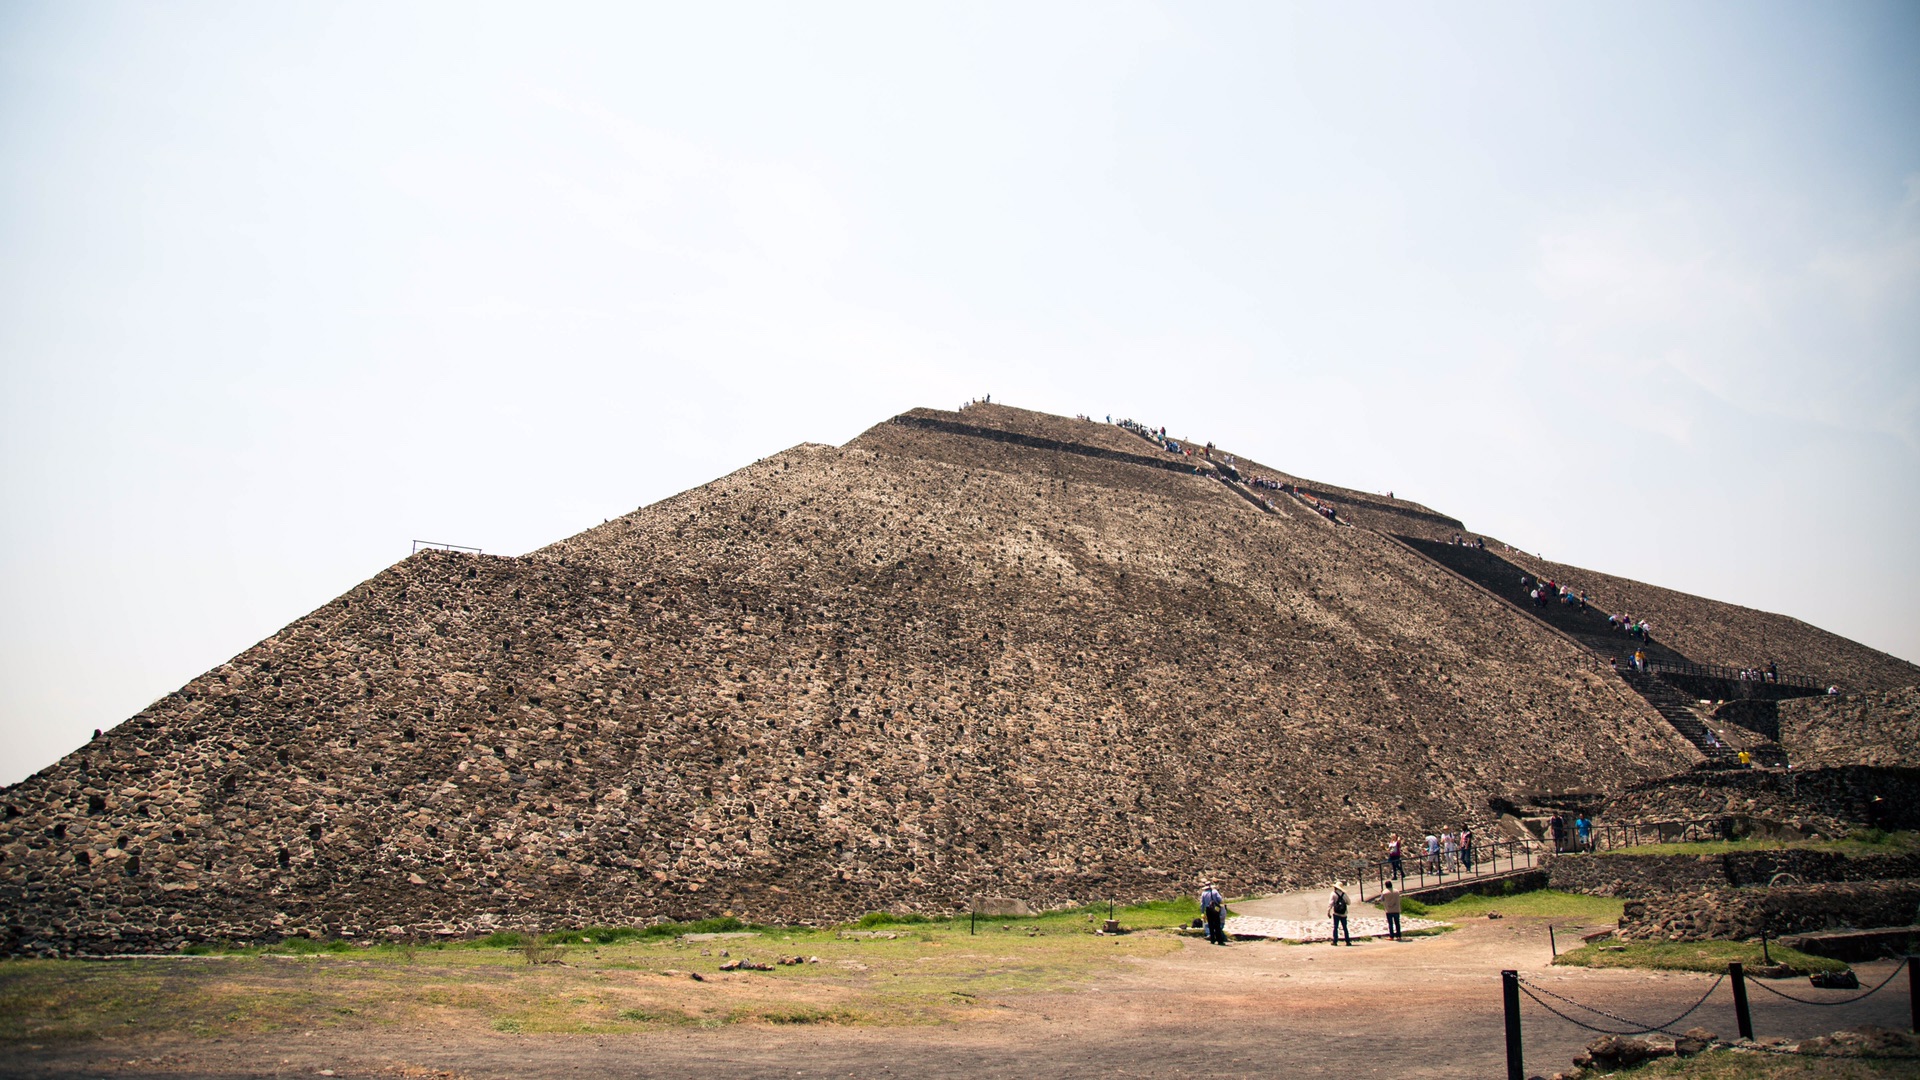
(989, 651)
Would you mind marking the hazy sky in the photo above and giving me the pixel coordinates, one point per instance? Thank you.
(285, 287)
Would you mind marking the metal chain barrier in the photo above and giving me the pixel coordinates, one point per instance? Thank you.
(1529, 989)
(1843, 1001)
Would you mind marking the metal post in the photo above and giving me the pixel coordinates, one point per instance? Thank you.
(1738, 973)
(1510, 998)
(1551, 942)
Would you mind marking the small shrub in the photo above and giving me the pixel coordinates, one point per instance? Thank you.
(536, 951)
(887, 918)
(1413, 907)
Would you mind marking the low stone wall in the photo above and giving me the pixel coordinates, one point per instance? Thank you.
(1831, 802)
(1740, 914)
(1621, 874)
(1634, 875)
(1853, 946)
(1760, 717)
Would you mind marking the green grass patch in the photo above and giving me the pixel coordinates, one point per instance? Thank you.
(887, 918)
(807, 1016)
(1538, 904)
(1863, 842)
(1708, 956)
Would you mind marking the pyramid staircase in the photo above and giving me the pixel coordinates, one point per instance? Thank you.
(1589, 627)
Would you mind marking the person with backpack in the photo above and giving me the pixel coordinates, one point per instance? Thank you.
(1214, 907)
(1337, 911)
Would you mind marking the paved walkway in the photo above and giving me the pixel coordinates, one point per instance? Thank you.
(1302, 916)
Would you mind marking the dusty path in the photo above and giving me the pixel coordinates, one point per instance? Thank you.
(1421, 1008)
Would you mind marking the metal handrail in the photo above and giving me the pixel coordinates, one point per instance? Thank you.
(1715, 671)
(1419, 870)
(1608, 836)
(1492, 858)
(435, 545)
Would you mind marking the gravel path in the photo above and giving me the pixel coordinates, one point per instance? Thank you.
(1362, 925)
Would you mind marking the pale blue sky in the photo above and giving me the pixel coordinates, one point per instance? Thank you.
(284, 287)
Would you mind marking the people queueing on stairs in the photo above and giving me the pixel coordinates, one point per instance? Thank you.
(1337, 911)
(1389, 903)
(1213, 907)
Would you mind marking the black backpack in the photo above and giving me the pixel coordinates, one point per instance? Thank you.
(1339, 902)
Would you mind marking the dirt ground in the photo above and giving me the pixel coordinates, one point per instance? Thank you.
(1427, 1007)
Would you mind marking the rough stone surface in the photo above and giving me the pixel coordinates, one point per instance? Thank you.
(1871, 728)
(1729, 635)
(897, 674)
(1828, 802)
(1725, 913)
(1621, 874)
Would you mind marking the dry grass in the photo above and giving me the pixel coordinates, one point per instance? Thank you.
(921, 974)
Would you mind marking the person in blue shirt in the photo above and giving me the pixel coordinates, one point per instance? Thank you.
(1214, 907)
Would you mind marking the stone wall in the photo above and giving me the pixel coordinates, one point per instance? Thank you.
(1829, 802)
(1742, 914)
(1623, 874)
(1760, 717)
(1873, 728)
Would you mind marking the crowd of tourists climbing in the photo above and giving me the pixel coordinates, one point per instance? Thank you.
(1541, 592)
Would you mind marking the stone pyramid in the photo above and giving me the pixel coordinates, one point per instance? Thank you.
(987, 652)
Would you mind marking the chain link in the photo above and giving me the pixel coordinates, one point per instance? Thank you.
(1844, 1001)
(1634, 1024)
